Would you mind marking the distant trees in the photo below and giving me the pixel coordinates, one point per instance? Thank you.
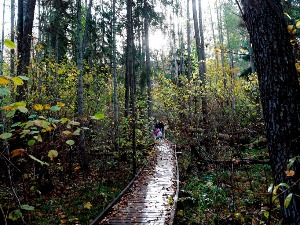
(280, 96)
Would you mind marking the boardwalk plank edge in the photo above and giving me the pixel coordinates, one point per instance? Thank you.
(108, 208)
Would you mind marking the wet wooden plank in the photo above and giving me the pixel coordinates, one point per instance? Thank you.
(151, 198)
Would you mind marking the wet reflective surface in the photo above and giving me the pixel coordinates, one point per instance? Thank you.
(150, 199)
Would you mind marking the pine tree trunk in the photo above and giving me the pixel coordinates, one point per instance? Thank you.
(280, 94)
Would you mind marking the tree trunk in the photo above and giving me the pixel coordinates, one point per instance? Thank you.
(279, 89)
(12, 36)
(130, 81)
(24, 28)
(148, 66)
(114, 72)
(201, 56)
(188, 28)
(80, 110)
(129, 52)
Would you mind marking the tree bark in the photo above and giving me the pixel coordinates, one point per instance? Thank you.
(24, 28)
(147, 53)
(114, 73)
(12, 36)
(130, 82)
(279, 89)
(201, 56)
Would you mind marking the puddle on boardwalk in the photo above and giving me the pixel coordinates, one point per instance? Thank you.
(150, 202)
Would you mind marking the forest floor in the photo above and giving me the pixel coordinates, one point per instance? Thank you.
(235, 192)
(227, 190)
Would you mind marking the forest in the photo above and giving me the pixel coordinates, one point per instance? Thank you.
(82, 84)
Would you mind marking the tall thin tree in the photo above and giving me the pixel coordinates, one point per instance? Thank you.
(201, 55)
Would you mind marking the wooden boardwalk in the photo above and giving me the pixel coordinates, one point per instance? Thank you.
(152, 197)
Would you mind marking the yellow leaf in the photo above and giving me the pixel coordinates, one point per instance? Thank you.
(180, 213)
(17, 152)
(20, 104)
(52, 154)
(87, 205)
(298, 24)
(48, 128)
(38, 138)
(38, 123)
(67, 133)
(47, 106)
(297, 65)
(291, 29)
(9, 107)
(3, 80)
(38, 107)
(17, 81)
(290, 173)
(77, 168)
(60, 104)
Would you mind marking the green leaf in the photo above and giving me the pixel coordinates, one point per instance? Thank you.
(31, 142)
(77, 132)
(70, 142)
(4, 91)
(27, 207)
(5, 135)
(54, 108)
(23, 109)
(9, 44)
(14, 215)
(292, 161)
(280, 185)
(266, 214)
(52, 154)
(287, 200)
(63, 120)
(40, 161)
(24, 77)
(16, 124)
(32, 116)
(98, 116)
(11, 113)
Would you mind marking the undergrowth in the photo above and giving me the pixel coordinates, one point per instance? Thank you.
(227, 193)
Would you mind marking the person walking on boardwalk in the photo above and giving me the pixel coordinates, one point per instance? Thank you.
(160, 125)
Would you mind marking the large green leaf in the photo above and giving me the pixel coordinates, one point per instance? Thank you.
(14, 215)
(8, 43)
(287, 200)
(54, 108)
(4, 91)
(70, 142)
(27, 207)
(98, 116)
(5, 135)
